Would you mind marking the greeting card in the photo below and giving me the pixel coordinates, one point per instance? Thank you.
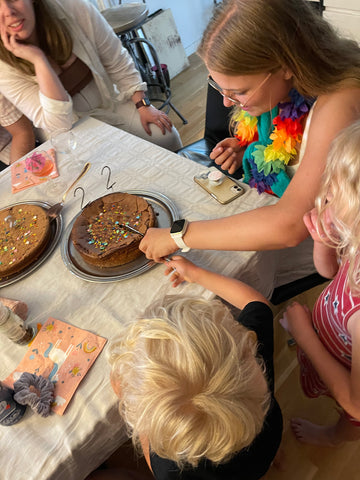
(64, 354)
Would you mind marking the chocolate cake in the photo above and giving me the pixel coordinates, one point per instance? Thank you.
(24, 234)
(98, 234)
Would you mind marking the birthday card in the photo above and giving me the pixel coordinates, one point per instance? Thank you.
(63, 354)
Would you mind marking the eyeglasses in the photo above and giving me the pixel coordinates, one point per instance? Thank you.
(232, 97)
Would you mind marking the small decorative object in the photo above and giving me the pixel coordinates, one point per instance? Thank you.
(216, 177)
(35, 391)
(10, 410)
(14, 327)
(33, 170)
(17, 306)
(39, 164)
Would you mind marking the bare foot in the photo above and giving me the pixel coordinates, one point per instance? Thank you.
(307, 432)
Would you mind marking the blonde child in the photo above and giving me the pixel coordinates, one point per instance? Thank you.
(329, 339)
(196, 387)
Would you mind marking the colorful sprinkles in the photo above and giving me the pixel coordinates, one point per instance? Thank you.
(105, 228)
(21, 231)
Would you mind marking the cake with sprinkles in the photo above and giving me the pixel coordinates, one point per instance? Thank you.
(24, 234)
(99, 233)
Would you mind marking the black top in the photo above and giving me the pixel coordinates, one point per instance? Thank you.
(252, 462)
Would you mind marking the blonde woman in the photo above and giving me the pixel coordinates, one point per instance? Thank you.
(329, 339)
(274, 60)
(61, 60)
(196, 387)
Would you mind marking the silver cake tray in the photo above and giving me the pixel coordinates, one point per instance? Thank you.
(165, 212)
(55, 233)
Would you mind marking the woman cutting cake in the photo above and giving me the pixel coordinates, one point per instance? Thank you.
(294, 84)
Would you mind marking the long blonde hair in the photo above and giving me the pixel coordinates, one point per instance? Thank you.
(254, 36)
(186, 385)
(53, 35)
(340, 191)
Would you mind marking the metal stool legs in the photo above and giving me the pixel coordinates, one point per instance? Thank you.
(148, 78)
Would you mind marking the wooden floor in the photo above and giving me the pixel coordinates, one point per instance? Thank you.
(189, 97)
(300, 462)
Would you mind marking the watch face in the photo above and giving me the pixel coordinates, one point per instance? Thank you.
(146, 102)
(177, 226)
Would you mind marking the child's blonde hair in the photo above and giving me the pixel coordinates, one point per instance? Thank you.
(340, 191)
(186, 385)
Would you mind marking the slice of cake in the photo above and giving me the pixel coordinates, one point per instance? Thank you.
(97, 233)
(24, 234)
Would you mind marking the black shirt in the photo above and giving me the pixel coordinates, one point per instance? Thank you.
(252, 462)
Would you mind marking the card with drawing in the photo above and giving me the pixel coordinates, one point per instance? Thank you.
(64, 354)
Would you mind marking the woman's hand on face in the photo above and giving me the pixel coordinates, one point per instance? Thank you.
(179, 270)
(157, 244)
(228, 154)
(25, 51)
(153, 115)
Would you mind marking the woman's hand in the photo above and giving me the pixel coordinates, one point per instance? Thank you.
(228, 154)
(150, 115)
(157, 244)
(297, 321)
(180, 270)
(25, 51)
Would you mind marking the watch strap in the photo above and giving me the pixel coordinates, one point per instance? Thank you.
(144, 102)
(180, 243)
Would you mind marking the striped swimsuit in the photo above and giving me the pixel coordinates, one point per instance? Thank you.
(331, 313)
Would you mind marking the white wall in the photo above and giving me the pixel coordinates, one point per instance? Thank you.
(191, 17)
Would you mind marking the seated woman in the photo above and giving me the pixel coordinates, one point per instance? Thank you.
(196, 387)
(17, 129)
(61, 60)
(291, 98)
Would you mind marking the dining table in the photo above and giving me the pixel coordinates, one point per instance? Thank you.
(70, 446)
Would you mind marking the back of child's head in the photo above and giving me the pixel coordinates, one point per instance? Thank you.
(340, 191)
(186, 385)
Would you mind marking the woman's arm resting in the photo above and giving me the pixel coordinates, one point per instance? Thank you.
(23, 138)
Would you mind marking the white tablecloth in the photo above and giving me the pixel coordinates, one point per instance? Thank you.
(69, 447)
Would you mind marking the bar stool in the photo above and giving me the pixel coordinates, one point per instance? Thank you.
(126, 20)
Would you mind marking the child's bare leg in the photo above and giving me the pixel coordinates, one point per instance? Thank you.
(326, 436)
(279, 460)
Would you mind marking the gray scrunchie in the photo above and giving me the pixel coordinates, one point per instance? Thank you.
(35, 391)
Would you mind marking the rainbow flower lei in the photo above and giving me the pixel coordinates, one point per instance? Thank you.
(271, 144)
